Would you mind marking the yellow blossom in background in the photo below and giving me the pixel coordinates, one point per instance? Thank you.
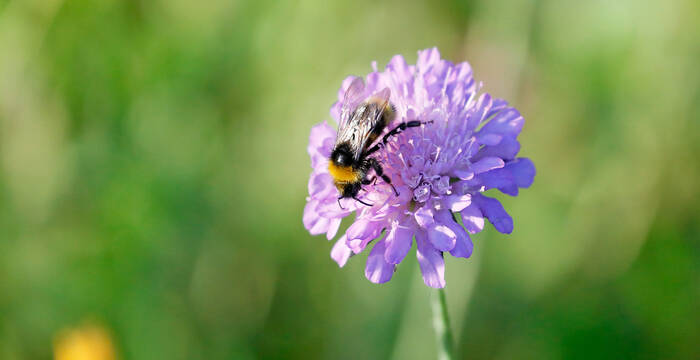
(88, 342)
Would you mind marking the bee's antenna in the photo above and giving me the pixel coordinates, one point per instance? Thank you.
(362, 202)
(339, 204)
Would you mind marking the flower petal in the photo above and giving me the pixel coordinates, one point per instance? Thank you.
(472, 218)
(431, 263)
(493, 210)
(319, 226)
(523, 171)
(498, 178)
(486, 164)
(424, 216)
(378, 270)
(427, 58)
(516, 173)
(463, 245)
(463, 174)
(442, 237)
(320, 185)
(318, 149)
(310, 215)
(498, 105)
(442, 186)
(457, 202)
(329, 207)
(333, 226)
(341, 252)
(399, 69)
(314, 223)
(506, 150)
(488, 139)
(507, 122)
(463, 73)
(399, 240)
(482, 107)
(361, 232)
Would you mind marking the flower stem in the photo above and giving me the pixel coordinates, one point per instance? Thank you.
(441, 322)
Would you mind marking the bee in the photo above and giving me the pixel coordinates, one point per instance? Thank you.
(362, 121)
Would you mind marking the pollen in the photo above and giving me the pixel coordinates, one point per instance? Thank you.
(342, 174)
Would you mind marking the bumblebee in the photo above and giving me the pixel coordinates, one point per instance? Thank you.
(362, 121)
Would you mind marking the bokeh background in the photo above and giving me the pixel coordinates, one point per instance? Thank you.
(153, 172)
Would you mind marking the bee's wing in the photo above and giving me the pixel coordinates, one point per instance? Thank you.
(350, 125)
(381, 98)
(367, 120)
(353, 96)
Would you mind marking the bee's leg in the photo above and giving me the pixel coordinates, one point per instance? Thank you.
(339, 204)
(374, 164)
(401, 127)
(362, 202)
(373, 149)
(372, 181)
(354, 198)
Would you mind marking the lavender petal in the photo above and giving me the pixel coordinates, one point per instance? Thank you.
(486, 164)
(493, 210)
(472, 218)
(399, 239)
(341, 252)
(361, 232)
(431, 262)
(378, 270)
(523, 171)
(442, 237)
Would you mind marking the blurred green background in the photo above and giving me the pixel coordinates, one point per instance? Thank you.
(153, 172)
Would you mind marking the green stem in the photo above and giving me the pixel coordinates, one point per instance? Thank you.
(441, 322)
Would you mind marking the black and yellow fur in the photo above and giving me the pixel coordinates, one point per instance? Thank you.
(349, 168)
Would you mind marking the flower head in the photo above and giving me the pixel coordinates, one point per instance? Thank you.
(440, 170)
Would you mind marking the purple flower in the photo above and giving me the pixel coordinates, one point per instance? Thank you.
(441, 170)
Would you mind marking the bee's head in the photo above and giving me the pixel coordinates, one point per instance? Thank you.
(341, 156)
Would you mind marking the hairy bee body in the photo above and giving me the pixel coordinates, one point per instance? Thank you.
(362, 120)
(348, 167)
